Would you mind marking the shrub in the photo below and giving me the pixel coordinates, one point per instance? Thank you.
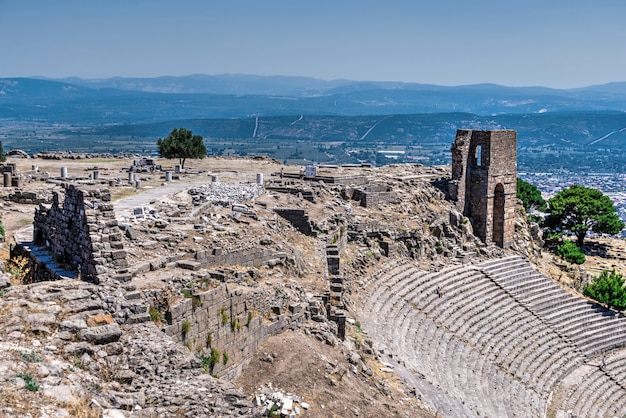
(222, 313)
(209, 340)
(17, 268)
(186, 328)
(225, 358)
(570, 252)
(209, 362)
(235, 325)
(155, 315)
(608, 288)
(186, 293)
(215, 356)
(31, 383)
(32, 357)
(358, 341)
(250, 316)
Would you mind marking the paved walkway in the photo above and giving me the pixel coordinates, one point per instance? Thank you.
(145, 196)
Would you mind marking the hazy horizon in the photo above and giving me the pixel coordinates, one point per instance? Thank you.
(557, 44)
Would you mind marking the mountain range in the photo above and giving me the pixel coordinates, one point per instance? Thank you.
(38, 114)
(140, 100)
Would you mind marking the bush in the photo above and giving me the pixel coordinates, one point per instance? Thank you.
(225, 358)
(224, 316)
(608, 288)
(31, 383)
(235, 325)
(209, 362)
(18, 268)
(155, 315)
(186, 328)
(570, 252)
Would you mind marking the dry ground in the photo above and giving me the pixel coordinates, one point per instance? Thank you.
(322, 376)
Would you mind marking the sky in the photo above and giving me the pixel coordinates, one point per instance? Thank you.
(552, 43)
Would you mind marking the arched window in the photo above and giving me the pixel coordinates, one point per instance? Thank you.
(479, 156)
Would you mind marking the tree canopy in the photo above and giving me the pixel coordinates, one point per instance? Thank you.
(3, 157)
(530, 196)
(181, 144)
(608, 288)
(579, 209)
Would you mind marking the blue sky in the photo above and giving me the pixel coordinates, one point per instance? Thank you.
(556, 43)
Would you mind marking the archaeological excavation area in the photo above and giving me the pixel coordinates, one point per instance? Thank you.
(242, 287)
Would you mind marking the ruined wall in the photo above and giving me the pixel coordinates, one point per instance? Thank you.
(82, 233)
(222, 319)
(299, 219)
(483, 182)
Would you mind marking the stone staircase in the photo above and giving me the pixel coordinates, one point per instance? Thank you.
(485, 340)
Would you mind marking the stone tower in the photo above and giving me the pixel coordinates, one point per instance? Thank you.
(483, 183)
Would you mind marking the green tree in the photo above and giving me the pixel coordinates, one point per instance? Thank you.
(570, 252)
(181, 144)
(608, 288)
(3, 157)
(579, 209)
(530, 196)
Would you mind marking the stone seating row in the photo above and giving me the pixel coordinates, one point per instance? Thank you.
(597, 395)
(591, 327)
(474, 329)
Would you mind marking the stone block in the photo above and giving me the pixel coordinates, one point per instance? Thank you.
(119, 254)
(188, 265)
(103, 334)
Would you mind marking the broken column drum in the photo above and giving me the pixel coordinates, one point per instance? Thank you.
(483, 182)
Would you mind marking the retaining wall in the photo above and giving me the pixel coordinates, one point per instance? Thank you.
(221, 318)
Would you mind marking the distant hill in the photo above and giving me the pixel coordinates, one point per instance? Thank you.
(294, 118)
(122, 100)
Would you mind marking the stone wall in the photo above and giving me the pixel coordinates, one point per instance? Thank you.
(38, 268)
(82, 233)
(299, 219)
(483, 182)
(247, 257)
(223, 319)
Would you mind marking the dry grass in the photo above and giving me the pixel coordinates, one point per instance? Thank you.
(119, 193)
(19, 400)
(83, 408)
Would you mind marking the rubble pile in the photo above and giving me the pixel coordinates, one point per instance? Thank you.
(222, 194)
(279, 403)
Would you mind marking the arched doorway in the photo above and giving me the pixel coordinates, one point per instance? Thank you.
(498, 215)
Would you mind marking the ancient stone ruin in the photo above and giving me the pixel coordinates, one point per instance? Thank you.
(82, 233)
(483, 183)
